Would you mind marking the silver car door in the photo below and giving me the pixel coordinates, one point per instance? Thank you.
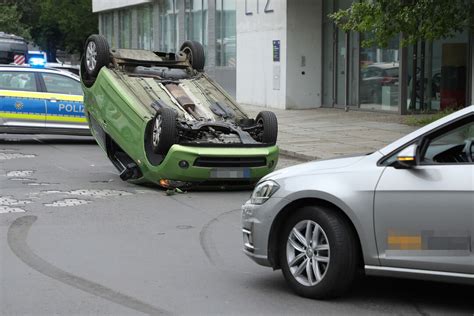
(424, 216)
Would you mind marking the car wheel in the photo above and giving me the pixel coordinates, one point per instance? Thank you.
(269, 127)
(96, 55)
(195, 53)
(318, 253)
(164, 131)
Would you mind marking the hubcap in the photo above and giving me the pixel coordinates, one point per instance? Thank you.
(91, 56)
(307, 253)
(157, 131)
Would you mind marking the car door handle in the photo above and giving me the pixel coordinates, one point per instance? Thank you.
(53, 100)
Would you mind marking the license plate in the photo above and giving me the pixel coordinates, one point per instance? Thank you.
(230, 173)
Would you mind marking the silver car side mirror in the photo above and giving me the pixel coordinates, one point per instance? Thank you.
(406, 159)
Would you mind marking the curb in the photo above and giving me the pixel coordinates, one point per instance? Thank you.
(296, 155)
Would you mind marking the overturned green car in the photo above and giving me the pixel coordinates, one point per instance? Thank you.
(161, 119)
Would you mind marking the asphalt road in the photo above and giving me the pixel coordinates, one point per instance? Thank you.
(76, 240)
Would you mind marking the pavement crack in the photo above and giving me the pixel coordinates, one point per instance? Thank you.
(17, 236)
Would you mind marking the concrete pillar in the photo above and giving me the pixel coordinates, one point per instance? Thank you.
(211, 39)
(181, 13)
(115, 29)
(134, 27)
(156, 25)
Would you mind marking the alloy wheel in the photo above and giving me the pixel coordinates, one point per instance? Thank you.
(91, 56)
(307, 252)
(157, 130)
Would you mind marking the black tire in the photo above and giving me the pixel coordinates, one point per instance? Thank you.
(269, 123)
(341, 270)
(195, 53)
(96, 55)
(164, 132)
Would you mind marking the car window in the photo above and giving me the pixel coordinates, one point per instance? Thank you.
(453, 146)
(17, 80)
(61, 84)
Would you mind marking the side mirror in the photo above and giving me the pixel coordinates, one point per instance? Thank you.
(406, 159)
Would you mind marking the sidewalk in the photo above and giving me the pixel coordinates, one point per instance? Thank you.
(326, 132)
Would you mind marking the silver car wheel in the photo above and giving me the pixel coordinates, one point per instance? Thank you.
(91, 56)
(157, 131)
(307, 253)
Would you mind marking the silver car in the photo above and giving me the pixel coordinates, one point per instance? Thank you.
(406, 210)
(41, 101)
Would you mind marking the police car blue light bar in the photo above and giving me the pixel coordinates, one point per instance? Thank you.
(37, 60)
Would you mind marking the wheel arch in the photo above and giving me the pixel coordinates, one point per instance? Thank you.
(277, 226)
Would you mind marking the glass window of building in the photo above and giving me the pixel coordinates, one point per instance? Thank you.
(446, 65)
(108, 28)
(168, 26)
(196, 21)
(145, 27)
(379, 74)
(225, 33)
(125, 27)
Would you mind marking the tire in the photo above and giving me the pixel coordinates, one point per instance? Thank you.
(336, 276)
(164, 131)
(195, 53)
(96, 55)
(269, 123)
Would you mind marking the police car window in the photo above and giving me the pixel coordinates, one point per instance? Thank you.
(17, 80)
(61, 84)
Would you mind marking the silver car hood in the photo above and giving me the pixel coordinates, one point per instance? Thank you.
(314, 167)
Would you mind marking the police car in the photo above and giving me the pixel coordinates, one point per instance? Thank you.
(37, 100)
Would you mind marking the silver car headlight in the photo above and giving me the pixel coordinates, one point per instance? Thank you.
(263, 191)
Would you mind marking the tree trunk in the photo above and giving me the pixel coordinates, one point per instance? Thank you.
(413, 78)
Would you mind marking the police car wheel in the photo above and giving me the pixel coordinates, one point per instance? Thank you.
(96, 55)
(164, 131)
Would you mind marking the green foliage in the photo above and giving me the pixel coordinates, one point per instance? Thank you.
(53, 24)
(10, 21)
(424, 119)
(416, 19)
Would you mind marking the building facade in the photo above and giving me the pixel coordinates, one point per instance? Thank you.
(288, 54)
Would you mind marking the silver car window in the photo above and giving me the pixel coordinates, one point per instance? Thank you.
(454, 146)
(17, 80)
(61, 84)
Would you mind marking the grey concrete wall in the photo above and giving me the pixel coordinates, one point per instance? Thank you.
(260, 80)
(304, 54)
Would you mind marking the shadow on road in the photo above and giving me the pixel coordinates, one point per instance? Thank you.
(379, 294)
(46, 140)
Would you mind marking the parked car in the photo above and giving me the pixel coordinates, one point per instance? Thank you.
(12, 48)
(374, 77)
(41, 101)
(405, 210)
(161, 119)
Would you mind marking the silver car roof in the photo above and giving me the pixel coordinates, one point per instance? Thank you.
(410, 137)
(45, 70)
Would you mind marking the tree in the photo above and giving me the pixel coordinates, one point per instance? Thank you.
(10, 21)
(417, 20)
(55, 24)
